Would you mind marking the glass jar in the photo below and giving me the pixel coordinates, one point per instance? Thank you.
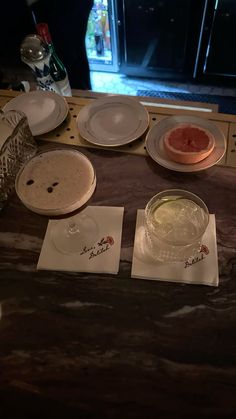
(17, 145)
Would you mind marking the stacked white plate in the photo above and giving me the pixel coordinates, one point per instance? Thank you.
(45, 110)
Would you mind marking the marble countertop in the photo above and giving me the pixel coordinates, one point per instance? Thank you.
(77, 345)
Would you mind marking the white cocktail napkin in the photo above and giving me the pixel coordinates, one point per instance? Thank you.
(101, 257)
(199, 270)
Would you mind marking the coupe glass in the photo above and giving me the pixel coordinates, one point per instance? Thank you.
(72, 234)
(59, 182)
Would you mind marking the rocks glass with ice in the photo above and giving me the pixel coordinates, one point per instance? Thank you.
(175, 221)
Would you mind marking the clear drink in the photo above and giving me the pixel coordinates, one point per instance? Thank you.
(175, 221)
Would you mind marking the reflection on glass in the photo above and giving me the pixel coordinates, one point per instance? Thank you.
(98, 37)
(71, 235)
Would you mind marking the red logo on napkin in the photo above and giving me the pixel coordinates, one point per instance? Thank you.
(102, 246)
(202, 252)
(106, 240)
(204, 249)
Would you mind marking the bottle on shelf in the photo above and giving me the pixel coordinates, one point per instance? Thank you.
(57, 68)
(98, 33)
(35, 53)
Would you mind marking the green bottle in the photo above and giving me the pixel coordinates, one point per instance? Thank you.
(57, 68)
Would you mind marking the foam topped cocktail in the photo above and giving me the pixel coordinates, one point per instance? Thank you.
(56, 182)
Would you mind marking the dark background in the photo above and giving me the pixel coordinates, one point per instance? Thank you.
(178, 39)
(163, 39)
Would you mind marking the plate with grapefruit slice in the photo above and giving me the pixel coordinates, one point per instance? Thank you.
(186, 143)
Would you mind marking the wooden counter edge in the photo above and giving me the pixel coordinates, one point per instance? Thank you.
(83, 97)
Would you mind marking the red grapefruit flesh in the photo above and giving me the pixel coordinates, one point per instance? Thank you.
(188, 144)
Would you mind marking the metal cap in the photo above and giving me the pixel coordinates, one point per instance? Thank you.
(33, 48)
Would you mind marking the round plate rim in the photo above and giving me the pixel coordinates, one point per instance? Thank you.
(59, 100)
(113, 99)
(178, 119)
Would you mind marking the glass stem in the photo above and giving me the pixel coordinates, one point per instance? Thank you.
(73, 228)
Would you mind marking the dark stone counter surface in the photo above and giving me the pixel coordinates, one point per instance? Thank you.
(75, 345)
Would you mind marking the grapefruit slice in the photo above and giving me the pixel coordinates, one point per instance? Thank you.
(188, 143)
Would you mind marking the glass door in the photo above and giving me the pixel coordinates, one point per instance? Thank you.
(220, 57)
(159, 38)
(101, 37)
(215, 61)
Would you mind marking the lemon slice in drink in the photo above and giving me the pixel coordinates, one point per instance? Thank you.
(179, 220)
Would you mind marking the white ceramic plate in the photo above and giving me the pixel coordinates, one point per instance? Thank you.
(56, 182)
(112, 121)
(155, 147)
(45, 110)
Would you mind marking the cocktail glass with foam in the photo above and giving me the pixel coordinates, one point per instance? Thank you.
(57, 182)
(175, 221)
